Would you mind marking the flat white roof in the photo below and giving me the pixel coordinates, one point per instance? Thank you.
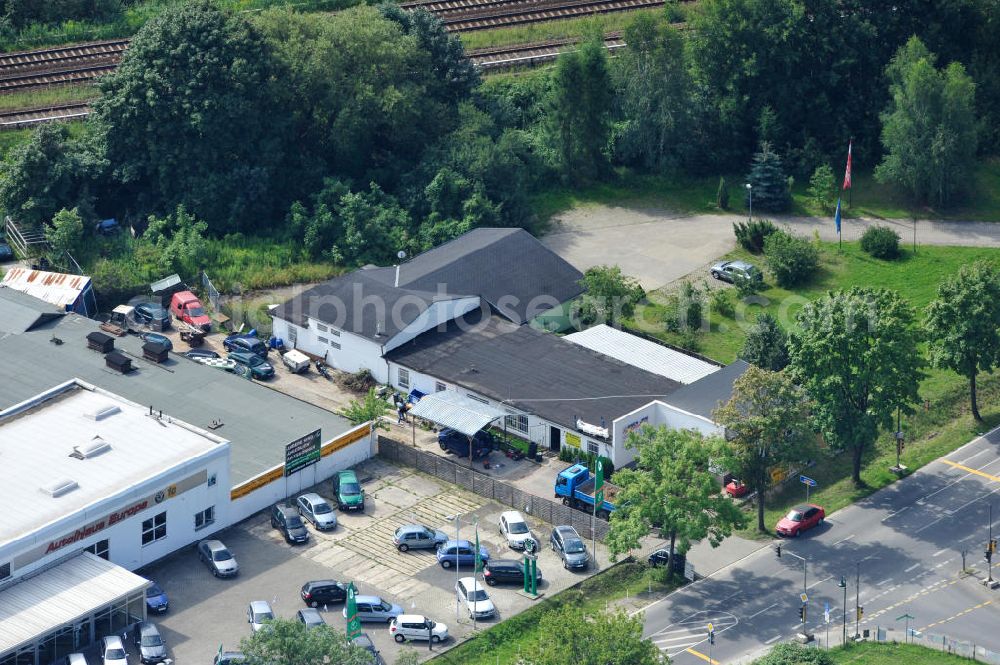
(642, 353)
(42, 439)
(57, 596)
(57, 288)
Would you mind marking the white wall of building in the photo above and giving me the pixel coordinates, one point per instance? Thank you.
(654, 414)
(180, 492)
(344, 350)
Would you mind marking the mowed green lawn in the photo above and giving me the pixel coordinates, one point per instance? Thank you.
(939, 425)
(873, 653)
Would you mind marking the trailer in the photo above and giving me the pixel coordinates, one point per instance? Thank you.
(575, 486)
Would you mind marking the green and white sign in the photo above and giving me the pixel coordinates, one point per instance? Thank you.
(599, 485)
(302, 452)
(353, 622)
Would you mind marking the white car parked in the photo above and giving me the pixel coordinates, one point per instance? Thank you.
(113, 651)
(417, 627)
(515, 529)
(472, 595)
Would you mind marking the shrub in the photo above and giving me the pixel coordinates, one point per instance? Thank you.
(685, 309)
(751, 235)
(766, 344)
(823, 188)
(359, 382)
(722, 195)
(791, 259)
(880, 242)
(722, 302)
(747, 286)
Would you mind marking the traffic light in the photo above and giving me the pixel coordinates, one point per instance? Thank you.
(861, 613)
(993, 546)
(711, 637)
(802, 614)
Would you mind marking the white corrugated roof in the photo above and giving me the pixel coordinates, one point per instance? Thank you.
(53, 287)
(643, 354)
(454, 410)
(38, 436)
(59, 595)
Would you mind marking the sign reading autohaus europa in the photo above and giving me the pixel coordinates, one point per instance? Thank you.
(302, 452)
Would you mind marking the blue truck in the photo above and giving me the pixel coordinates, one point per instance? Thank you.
(575, 486)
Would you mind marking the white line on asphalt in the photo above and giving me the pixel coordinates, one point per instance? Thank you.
(939, 552)
(928, 525)
(671, 632)
(762, 611)
(888, 579)
(819, 582)
(773, 639)
(971, 456)
(916, 565)
(844, 539)
(922, 499)
(661, 640)
(978, 498)
(896, 513)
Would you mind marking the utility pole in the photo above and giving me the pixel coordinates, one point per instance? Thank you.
(843, 585)
(857, 602)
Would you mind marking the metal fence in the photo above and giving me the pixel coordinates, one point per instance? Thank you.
(941, 643)
(492, 488)
(210, 291)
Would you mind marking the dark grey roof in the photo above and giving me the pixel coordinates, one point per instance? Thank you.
(20, 312)
(363, 302)
(534, 371)
(257, 420)
(709, 392)
(509, 268)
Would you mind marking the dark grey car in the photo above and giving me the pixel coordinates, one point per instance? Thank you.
(310, 617)
(218, 559)
(149, 643)
(418, 537)
(568, 544)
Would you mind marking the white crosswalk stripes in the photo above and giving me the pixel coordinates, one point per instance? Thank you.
(692, 631)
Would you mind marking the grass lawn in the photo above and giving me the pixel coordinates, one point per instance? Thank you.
(506, 641)
(887, 653)
(931, 432)
(48, 96)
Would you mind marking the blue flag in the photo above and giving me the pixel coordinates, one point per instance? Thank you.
(836, 218)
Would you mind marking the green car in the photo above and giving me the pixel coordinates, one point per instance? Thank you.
(259, 368)
(348, 491)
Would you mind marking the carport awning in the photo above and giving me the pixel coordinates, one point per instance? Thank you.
(450, 409)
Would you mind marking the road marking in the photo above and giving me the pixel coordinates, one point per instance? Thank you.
(773, 639)
(888, 579)
(973, 455)
(898, 511)
(702, 656)
(955, 616)
(977, 499)
(762, 611)
(939, 552)
(928, 525)
(845, 539)
(819, 582)
(916, 565)
(976, 472)
(661, 640)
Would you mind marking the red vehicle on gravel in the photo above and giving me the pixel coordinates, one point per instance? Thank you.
(800, 518)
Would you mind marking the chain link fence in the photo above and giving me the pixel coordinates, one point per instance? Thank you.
(492, 488)
(944, 643)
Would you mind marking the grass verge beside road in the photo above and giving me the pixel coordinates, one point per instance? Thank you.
(65, 94)
(507, 641)
(890, 653)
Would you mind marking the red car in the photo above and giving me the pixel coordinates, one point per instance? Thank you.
(186, 307)
(736, 489)
(799, 519)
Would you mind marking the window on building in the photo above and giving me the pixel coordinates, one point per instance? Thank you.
(4, 571)
(481, 400)
(100, 548)
(320, 327)
(440, 387)
(204, 518)
(324, 340)
(155, 528)
(518, 422)
(334, 332)
(403, 378)
(593, 448)
(335, 345)
(212, 480)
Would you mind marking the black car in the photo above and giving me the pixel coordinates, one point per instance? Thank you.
(6, 253)
(458, 444)
(365, 642)
(228, 657)
(500, 571)
(323, 592)
(286, 520)
(660, 557)
(152, 315)
(248, 343)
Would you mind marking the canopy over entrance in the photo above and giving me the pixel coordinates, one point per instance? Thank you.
(458, 412)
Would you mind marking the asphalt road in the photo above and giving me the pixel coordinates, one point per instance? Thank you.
(906, 541)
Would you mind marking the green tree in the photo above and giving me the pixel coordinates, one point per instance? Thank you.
(179, 241)
(371, 408)
(289, 642)
(929, 129)
(190, 120)
(579, 110)
(722, 195)
(66, 231)
(602, 638)
(766, 344)
(963, 324)
(375, 227)
(671, 489)
(767, 426)
(823, 188)
(768, 181)
(608, 295)
(856, 355)
(792, 260)
(653, 91)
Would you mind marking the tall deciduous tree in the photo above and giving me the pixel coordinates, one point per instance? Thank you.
(929, 130)
(66, 231)
(580, 110)
(599, 639)
(671, 489)
(963, 324)
(857, 357)
(290, 642)
(189, 118)
(767, 426)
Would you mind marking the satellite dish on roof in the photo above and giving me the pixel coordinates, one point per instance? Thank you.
(400, 255)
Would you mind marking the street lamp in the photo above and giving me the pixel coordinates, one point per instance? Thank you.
(750, 194)
(857, 602)
(843, 585)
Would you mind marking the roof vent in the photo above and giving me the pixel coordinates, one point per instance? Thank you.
(105, 411)
(59, 487)
(92, 448)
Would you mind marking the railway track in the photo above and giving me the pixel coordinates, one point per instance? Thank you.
(520, 13)
(506, 57)
(49, 78)
(28, 117)
(63, 57)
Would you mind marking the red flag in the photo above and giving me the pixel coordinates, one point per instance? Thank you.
(847, 173)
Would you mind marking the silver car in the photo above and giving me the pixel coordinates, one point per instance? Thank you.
(314, 508)
(149, 643)
(218, 559)
(730, 271)
(373, 608)
(418, 536)
(310, 617)
(258, 613)
(568, 544)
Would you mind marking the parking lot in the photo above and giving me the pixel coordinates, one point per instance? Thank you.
(206, 612)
